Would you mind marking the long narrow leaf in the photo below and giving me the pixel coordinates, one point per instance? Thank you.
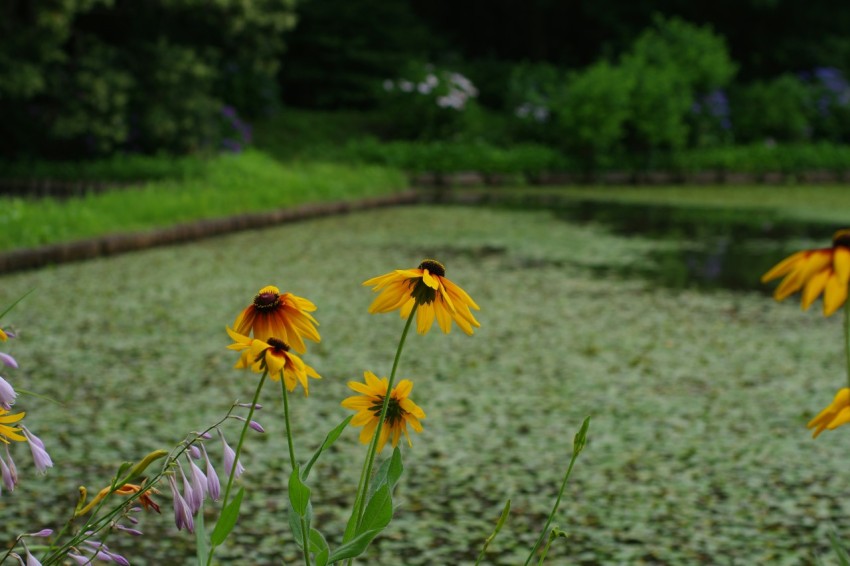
(355, 547)
(379, 511)
(329, 439)
(499, 524)
(228, 518)
(202, 549)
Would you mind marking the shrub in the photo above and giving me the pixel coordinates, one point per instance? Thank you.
(774, 109)
(592, 110)
(427, 102)
(672, 64)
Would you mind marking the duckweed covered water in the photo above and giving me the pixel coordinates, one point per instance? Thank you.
(697, 450)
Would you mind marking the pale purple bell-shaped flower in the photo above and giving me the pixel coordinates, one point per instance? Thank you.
(253, 424)
(42, 533)
(9, 480)
(213, 483)
(7, 394)
(102, 552)
(199, 486)
(194, 451)
(39, 454)
(230, 458)
(8, 360)
(31, 560)
(187, 489)
(182, 513)
(13, 469)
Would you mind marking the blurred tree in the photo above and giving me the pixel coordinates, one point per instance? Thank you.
(342, 50)
(89, 77)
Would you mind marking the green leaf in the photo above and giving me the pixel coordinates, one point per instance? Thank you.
(388, 473)
(122, 470)
(355, 547)
(379, 511)
(499, 524)
(840, 552)
(319, 547)
(299, 493)
(329, 439)
(580, 438)
(10, 307)
(227, 520)
(295, 523)
(201, 546)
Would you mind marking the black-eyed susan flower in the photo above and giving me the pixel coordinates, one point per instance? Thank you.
(275, 356)
(282, 316)
(426, 286)
(835, 415)
(401, 410)
(8, 432)
(823, 270)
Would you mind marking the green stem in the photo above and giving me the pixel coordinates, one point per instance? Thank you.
(363, 485)
(847, 337)
(554, 509)
(238, 452)
(304, 526)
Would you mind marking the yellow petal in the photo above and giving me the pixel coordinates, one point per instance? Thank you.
(834, 295)
(814, 288)
(841, 264)
(424, 318)
(783, 267)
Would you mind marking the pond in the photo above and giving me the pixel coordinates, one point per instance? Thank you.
(715, 248)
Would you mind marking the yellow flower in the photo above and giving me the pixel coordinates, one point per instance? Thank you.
(428, 287)
(401, 410)
(284, 316)
(273, 355)
(7, 432)
(824, 270)
(3, 336)
(835, 415)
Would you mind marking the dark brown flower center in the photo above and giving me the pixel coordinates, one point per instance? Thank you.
(434, 267)
(394, 410)
(266, 301)
(841, 238)
(277, 344)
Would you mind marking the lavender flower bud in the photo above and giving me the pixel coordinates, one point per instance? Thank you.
(39, 454)
(182, 513)
(230, 458)
(257, 406)
(8, 360)
(42, 533)
(194, 452)
(199, 487)
(7, 394)
(213, 483)
(9, 480)
(128, 530)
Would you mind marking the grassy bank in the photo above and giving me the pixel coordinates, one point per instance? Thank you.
(697, 450)
(229, 184)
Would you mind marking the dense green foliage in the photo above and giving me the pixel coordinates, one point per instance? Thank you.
(90, 77)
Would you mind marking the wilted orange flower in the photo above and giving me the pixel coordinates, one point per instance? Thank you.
(835, 415)
(275, 356)
(283, 316)
(427, 287)
(823, 270)
(401, 410)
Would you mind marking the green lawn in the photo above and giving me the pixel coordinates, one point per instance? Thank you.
(697, 451)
